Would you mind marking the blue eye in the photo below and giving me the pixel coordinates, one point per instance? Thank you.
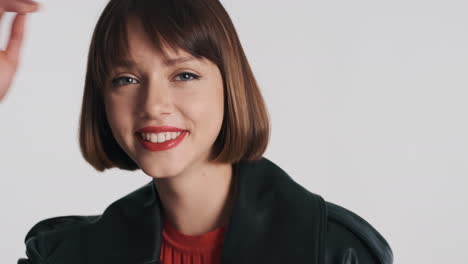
(115, 82)
(194, 76)
(129, 80)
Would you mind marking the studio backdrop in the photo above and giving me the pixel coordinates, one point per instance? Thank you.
(368, 103)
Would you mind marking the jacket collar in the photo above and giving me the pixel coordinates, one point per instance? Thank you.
(274, 220)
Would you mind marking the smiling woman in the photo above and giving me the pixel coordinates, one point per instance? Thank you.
(169, 90)
(156, 97)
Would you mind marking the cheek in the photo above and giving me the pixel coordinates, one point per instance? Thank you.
(205, 108)
(209, 112)
(117, 113)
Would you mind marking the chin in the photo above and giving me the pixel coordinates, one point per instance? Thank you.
(161, 171)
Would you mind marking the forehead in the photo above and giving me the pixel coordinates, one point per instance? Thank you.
(141, 47)
(139, 43)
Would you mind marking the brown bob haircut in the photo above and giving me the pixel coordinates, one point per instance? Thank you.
(202, 28)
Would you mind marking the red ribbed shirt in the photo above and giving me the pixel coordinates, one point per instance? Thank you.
(179, 248)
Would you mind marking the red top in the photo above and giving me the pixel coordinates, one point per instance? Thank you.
(179, 248)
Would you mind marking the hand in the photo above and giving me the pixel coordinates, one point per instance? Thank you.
(9, 58)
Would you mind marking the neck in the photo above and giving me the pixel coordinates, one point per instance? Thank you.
(200, 201)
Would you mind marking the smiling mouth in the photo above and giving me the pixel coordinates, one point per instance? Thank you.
(160, 137)
(153, 143)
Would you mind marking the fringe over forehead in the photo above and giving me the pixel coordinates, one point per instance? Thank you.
(191, 25)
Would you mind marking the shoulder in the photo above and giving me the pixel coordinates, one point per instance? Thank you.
(351, 239)
(139, 197)
(43, 237)
(65, 233)
(58, 223)
(346, 237)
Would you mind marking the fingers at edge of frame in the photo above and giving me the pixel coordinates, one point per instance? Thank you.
(16, 37)
(21, 7)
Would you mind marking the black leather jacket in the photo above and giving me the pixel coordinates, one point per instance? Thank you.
(274, 220)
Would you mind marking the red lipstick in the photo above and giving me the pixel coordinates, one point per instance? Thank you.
(159, 129)
(160, 146)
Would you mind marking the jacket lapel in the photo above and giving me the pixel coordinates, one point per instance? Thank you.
(128, 232)
(274, 220)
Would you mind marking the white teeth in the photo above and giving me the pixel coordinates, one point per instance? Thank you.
(170, 135)
(160, 137)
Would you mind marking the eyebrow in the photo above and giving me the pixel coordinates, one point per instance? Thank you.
(178, 60)
(168, 62)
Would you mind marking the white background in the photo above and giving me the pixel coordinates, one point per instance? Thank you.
(368, 101)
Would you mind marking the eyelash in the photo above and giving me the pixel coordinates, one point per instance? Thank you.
(194, 76)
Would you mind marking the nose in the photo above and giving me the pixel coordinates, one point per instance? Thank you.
(155, 100)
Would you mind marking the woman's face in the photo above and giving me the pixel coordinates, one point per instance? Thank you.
(149, 92)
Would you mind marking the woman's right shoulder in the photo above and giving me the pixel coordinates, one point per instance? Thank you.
(59, 234)
(57, 223)
(49, 230)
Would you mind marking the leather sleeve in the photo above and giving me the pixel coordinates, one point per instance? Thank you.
(33, 249)
(36, 248)
(352, 240)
